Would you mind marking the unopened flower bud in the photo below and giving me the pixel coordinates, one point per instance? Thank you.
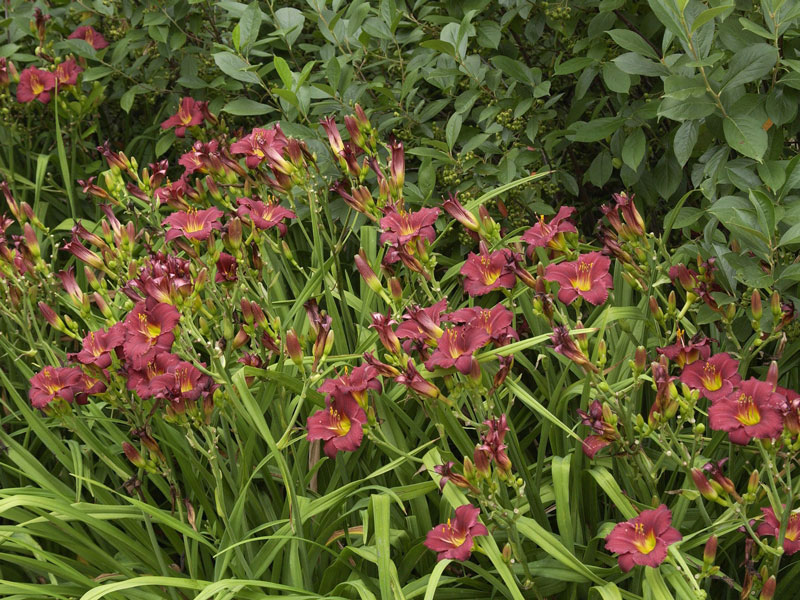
(703, 486)
(507, 553)
(768, 590)
(481, 460)
(772, 375)
(655, 309)
(240, 339)
(51, 317)
(709, 552)
(233, 237)
(133, 455)
(30, 240)
(775, 305)
(752, 482)
(601, 353)
(671, 303)
(640, 359)
(293, 348)
(367, 273)
(755, 305)
(396, 289)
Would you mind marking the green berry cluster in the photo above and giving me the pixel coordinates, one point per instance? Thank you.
(557, 11)
(507, 120)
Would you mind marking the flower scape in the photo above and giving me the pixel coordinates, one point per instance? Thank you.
(264, 351)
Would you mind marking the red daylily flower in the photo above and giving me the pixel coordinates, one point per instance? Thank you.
(550, 235)
(455, 348)
(496, 321)
(181, 382)
(260, 145)
(356, 383)
(752, 411)
(698, 348)
(565, 345)
(193, 224)
(148, 331)
(90, 35)
(226, 268)
(421, 325)
(35, 84)
(605, 433)
(140, 380)
(454, 539)
(163, 277)
(174, 194)
(412, 379)
(493, 446)
(340, 425)
(190, 113)
(447, 474)
(487, 271)
(264, 215)
(792, 416)
(66, 73)
(204, 157)
(400, 227)
(772, 527)
(714, 378)
(55, 382)
(643, 540)
(98, 346)
(587, 277)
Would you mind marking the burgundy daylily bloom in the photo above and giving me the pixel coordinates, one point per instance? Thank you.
(400, 227)
(792, 413)
(226, 268)
(496, 321)
(772, 527)
(148, 331)
(565, 345)
(447, 474)
(98, 346)
(66, 73)
(643, 540)
(421, 325)
(260, 145)
(714, 378)
(412, 379)
(175, 193)
(550, 235)
(455, 349)
(193, 224)
(356, 383)
(698, 348)
(190, 113)
(604, 432)
(35, 84)
(587, 277)
(454, 539)
(264, 215)
(487, 271)
(55, 382)
(181, 382)
(752, 411)
(340, 425)
(493, 446)
(140, 380)
(90, 35)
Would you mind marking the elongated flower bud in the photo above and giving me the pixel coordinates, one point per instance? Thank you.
(133, 455)
(710, 552)
(755, 305)
(703, 486)
(768, 590)
(293, 348)
(367, 273)
(51, 317)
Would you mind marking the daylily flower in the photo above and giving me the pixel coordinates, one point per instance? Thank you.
(752, 411)
(260, 145)
(550, 235)
(205, 157)
(264, 215)
(340, 425)
(714, 378)
(66, 73)
(456, 210)
(400, 227)
(163, 277)
(565, 345)
(772, 527)
(190, 113)
(35, 84)
(140, 379)
(454, 539)
(665, 403)
(55, 382)
(98, 346)
(334, 137)
(175, 193)
(90, 35)
(421, 325)
(447, 474)
(487, 271)
(792, 413)
(631, 226)
(587, 277)
(413, 380)
(496, 321)
(148, 331)
(493, 446)
(643, 540)
(193, 224)
(356, 383)
(182, 382)
(597, 417)
(698, 348)
(226, 268)
(455, 349)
